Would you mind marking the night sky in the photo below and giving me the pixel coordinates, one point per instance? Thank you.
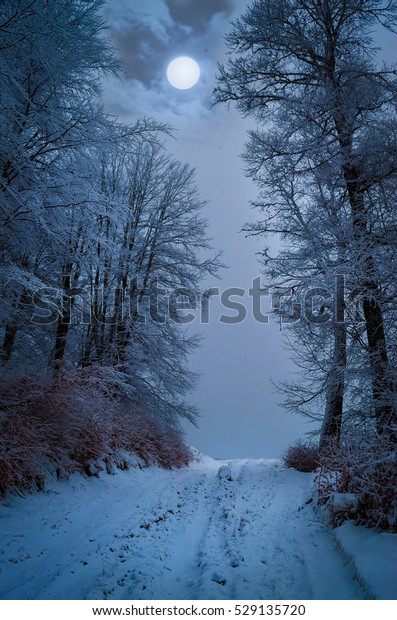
(240, 415)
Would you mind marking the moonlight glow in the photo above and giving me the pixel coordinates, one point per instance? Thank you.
(183, 72)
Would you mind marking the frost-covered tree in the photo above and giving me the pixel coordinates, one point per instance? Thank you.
(48, 112)
(148, 240)
(95, 216)
(307, 71)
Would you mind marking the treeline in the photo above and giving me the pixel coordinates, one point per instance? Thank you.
(95, 218)
(324, 157)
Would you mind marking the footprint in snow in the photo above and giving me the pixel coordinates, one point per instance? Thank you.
(218, 579)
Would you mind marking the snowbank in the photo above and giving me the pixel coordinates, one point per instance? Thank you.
(374, 557)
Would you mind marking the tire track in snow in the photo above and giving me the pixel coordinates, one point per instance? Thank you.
(161, 550)
(233, 565)
(228, 530)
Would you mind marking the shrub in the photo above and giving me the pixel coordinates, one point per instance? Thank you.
(364, 468)
(302, 456)
(68, 424)
(149, 437)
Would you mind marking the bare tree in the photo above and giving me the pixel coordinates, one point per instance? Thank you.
(94, 214)
(306, 70)
(48, 110)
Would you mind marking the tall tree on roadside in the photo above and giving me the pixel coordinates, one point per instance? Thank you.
(49, 109)
(306, 71)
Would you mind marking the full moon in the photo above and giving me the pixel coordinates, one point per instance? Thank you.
(183, 72)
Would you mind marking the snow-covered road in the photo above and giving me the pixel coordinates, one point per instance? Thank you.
(217, 530)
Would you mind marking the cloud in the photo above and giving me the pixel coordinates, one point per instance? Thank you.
(198, 14)
(123, 16)
(148, 35)
(130, 99)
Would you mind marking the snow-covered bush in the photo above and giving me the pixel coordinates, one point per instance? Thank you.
(359, 479)
(69, 423)
(302, 456)
(153, 439)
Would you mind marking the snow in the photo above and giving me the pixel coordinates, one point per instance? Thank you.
(374, 556)
(344, 502)
(239, 529)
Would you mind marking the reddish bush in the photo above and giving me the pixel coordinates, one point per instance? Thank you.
(68, 424)
(150, 438)
(367, 469)
(302, 456)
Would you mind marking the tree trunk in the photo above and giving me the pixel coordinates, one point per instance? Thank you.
(64, 319)
(332, 423)
(382, 384)
(12, 328)
(8, 342)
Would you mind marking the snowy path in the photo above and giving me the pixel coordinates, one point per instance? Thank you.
(220, 530)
